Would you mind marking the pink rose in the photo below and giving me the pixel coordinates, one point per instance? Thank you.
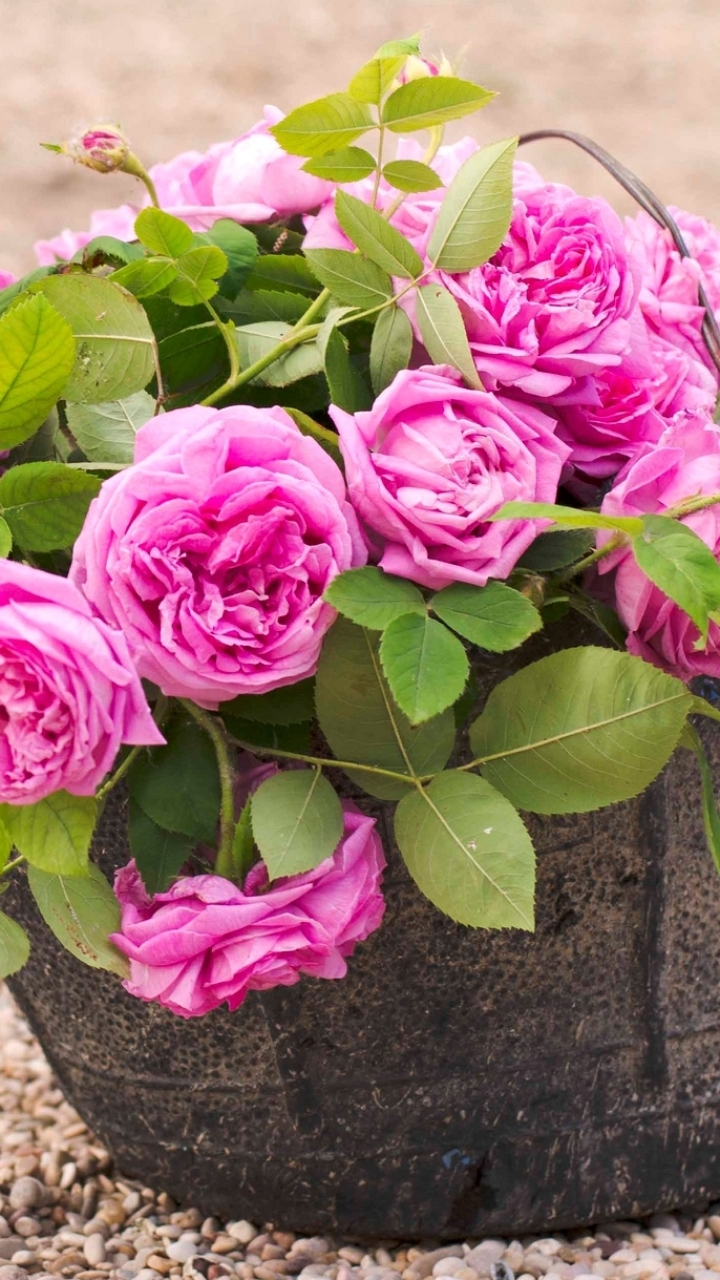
(69, 694)
(416, 216)
(213, 550)
(205, 941)
(119, 223)
(553, 307)
(6, 279)
(432, 460)
(103, 148)
(685, 463)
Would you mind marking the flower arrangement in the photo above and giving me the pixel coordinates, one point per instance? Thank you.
(291, 448)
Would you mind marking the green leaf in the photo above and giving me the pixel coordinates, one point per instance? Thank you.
(348, 389)
(45, 504)
(161, 233)
(147, 277)
(399, 48)
(494, 617)
(684, 568)
(351, 279)
(374, 79)
(54, 834)
(425, 666)
(243, 849)
(240, 247)
(360, 722)
(442, 329)
(252, 306)
(37, 355)
(390, 348)
(556, 549)
(159, 854)
(6, 541)
(569, 517)
(178, 786)
(411, 175)
(254, 734)
(255, 341)
(376, 239)
(475, 215)
(348, 164)
(198, 272)
(327, 439)
(81, 913)
(434, 100)
(14, 946)
(469, 852)
(104, 249)
(372, 598)
(106, 432)
(290, 705)
(115, 342)
(323, 125)
(277, 238)
(711, 819)
(194, 362)
(579, 729)
(297, 821)
(286, 272)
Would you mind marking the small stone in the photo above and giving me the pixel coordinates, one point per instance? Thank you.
(350, 1253)
(483, 1255)
(270, 1251)
(146, 1274)
(92, 1227)
(26, 1226)
(537, 1264)
(623, 1255)
(94, 1249)
(264, 1271)
(26, 1193)
(112, 1212)
(23, 1258)
(224, 1243)
(68, 1175)
(242, 1231)
(9, 1246)
(681, 1244)
(714, 1225)
(548, 1247)
(180, 1251)
(12, 1272)
(160, 1263)
(448, 1266)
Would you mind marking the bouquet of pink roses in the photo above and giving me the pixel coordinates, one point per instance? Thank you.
(289, 448)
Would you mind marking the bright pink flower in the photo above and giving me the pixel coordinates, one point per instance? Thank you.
(432, 460)
(212, 552)
(6, 279)
(416, 216)
(103, 148)
(685, 463)
(554, 306)
(205, 942)
(119, 223)
(69, 693)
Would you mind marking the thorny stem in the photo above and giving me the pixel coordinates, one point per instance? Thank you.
(378, 171)
(162, 706)
(651, 204)
(226, 768)
(592, 557)
(293, 339)
(12, 864)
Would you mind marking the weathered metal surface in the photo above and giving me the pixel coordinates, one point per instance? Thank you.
(457, 1082)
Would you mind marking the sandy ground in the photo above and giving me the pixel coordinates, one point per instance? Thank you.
(640, 76)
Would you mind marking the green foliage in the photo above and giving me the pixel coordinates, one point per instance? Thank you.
(475, 215)
(81, 912)
(6, 541)
(682, 566)
(243, 850)
(425, 666)
(147, 277)
(102, 250)
(711, 819)
(391, 347)
(348, 164)
(159, 854)
(194, 361)
(556, 549)
(374, 79)
(297, 821)
(411, 176)
(14, 946)
(568, 517)
(468, 851)
(495, 617)
(352, 279)
(257, 341)
(578, 730)
(45, 504)
(323, 125)
(106, 432)
(290, 705)
(37, 355)
(54, 834)
(287, 272)
(360, 722)
(372, 598)
(348, 389)
(322, 435)
(177, 786)
(198, 272)
(442, 329)
(10, 294)
(253, 306)
(240, 248)
(115, 343)
(161, 233)
(399, 48)
(376, 239)
(432, 101)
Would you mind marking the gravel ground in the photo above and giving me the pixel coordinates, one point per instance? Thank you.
(64, 1212)
(638, 75)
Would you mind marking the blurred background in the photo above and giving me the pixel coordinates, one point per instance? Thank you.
(639, 76)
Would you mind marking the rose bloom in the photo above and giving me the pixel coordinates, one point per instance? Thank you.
(6, 279)
(250, 179)
(213, 550)
(685, 463)
(206, 942)
(69, 694)
(432, 460)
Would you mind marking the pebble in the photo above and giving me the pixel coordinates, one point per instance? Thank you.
(12, 1273)
(26, 1193)
(180, 1251)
